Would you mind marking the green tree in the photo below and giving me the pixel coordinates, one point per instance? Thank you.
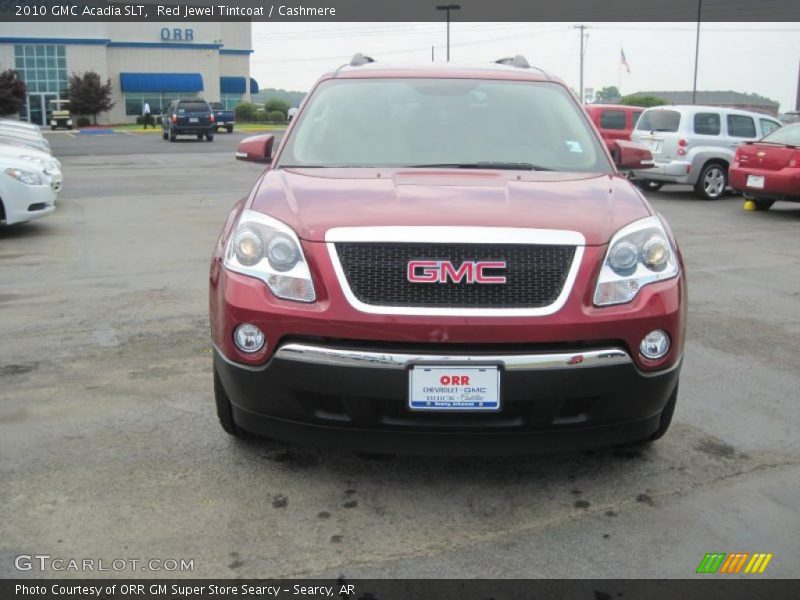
(245, 112)
(277, 105)
(88, 95)
(12, 92)
(607, 94)
(643, 101)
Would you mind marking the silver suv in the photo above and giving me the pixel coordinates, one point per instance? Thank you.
(695, 144)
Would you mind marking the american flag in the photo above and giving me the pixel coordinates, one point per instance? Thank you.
(623, 61)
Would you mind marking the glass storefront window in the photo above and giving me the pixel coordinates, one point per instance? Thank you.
(43, 67)
(229, 101)
(134, 101)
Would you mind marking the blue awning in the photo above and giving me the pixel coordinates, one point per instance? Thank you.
(232, 85)
(161, 82)
(253, 86)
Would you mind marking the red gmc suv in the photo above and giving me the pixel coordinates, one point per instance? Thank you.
(443, 259)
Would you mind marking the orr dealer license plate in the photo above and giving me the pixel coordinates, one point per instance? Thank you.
(454, 388)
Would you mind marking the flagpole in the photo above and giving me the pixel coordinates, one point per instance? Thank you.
(619, 79)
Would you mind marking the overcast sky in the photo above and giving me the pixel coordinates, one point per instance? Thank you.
(760, 57)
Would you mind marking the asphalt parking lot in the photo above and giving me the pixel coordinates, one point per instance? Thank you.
(110, 448)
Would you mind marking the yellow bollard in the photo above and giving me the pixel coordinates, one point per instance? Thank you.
(749, 205)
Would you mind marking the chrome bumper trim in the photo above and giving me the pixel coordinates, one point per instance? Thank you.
(323, 355)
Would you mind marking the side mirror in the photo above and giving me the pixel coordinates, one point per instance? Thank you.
(629, 156)
(256, 148)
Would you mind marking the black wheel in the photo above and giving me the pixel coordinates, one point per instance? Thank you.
(224, 410)
(648, 185)
(210, 137)
(53, 127)
(69, 127)
(172, 135)
(763, 204)
(712, 181)
(199, 136)
(164, 134)
(666, 416)
(229, 128)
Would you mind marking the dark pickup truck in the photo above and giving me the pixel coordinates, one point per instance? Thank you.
(223, 119)
(188, 117)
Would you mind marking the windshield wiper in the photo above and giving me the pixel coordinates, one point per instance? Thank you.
(512, 166)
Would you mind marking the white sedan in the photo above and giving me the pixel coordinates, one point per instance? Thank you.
(44, 161)
(26, 192)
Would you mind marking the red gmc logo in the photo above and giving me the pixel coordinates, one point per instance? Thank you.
(442, 271)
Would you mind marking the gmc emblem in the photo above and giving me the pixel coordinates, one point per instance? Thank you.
(442, 271)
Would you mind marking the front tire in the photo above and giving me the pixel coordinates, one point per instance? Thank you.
(224, 410)
(666, 416)
(229, 128)
(649, 186)
(712, 181)
(172, 135)
(210, 137)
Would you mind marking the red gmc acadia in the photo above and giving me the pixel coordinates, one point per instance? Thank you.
(445, 259)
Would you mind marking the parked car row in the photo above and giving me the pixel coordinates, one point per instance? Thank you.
(30, 177)
(701, 146)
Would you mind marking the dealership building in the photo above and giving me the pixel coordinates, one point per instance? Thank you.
(146, 62)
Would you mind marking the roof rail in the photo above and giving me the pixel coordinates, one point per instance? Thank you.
(360, 60)
(518, 61)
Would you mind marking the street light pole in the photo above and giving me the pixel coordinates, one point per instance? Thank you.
(447, 8)
(696, 51)
(582, 28)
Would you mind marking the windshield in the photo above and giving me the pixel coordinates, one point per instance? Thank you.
(196, 106)
(789, 135)
(422, 122)
(659, 120)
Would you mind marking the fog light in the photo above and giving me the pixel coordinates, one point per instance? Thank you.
(655, 344)
(248, 338)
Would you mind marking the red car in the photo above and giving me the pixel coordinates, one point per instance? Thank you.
(443, 259)
(614, 121)
(769, 170)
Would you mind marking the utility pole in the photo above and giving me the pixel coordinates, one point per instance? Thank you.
(447, 8)
(582, 29)
(696, 51)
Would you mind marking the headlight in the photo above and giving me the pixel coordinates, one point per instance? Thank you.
(26, 177)
(265, 248)
(639, 254)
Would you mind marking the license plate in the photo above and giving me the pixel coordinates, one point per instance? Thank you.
(654, 146)
(454, 388)
(194, 120)
(755, 181)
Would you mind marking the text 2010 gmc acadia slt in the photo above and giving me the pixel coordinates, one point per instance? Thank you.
(446, 259)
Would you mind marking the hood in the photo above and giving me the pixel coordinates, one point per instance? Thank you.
(312, 201)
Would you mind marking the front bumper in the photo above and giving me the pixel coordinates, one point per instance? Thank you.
(355, 397)
(28, 202)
